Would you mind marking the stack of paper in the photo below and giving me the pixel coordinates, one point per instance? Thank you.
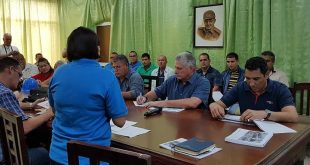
(170, 145)
(45, 104)
(128, 129)
(249, 137)
(273, 127)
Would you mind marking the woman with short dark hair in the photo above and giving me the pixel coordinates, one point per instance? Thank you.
(84, 97)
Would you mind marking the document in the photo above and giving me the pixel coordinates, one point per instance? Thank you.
(116, 128)
(273, 127)
(249, 137)
(45, 104)
(131, 131)
(170, 145)
(172, 109)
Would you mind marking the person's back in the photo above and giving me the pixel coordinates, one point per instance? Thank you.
(84, 97)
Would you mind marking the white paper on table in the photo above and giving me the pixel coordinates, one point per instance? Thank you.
(138, 105)
(170, 144)
(131, 131)
(45, 104)
(217, 95)
(116, 128)
(173, 109)
(273, 127)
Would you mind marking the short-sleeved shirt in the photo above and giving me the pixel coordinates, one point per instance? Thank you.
(226, 77)
(141, 70)
(43, 76)
(85, 98)
(275, 97)
(5, 50)
(174, 89)
(280, 76)
(132, 83)
(134, 66)
(213, 75)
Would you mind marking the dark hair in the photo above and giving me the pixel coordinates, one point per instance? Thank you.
(255, 63)
(232, 55)
(205, 54)
(133, 52)
(122, 58)
(114, 53)
(7, 62)
(82, 43)
(270, 54)
(46, 61)
(145, 55)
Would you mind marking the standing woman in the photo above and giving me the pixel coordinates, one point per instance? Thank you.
(46, 72)
(84, 97)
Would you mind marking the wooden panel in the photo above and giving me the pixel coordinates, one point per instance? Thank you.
(103, 33)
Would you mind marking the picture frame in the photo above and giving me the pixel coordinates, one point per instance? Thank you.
(208, 29)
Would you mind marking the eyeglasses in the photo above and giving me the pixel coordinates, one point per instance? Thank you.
(19, 73)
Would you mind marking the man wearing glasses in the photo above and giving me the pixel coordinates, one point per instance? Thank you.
(10, 73)
(134, 63)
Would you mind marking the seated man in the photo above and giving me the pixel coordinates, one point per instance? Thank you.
(274, 74)
(232, 76)
(163, 71)
(207, 71)
(147, 67)
(10, 73)
(134, 63)
(258, 97)
(29, 70)
(186, 89)
(131, 83)
(109, 66)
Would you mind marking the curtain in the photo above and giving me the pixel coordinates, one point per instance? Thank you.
(251, 26)
(87, 13)
(34, 27)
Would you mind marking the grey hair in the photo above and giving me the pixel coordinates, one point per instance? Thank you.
(123, 59)
(187, 59)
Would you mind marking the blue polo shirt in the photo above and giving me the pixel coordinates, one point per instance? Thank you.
(109, 67)
(174, 89)
(276, 96)
(85, 97)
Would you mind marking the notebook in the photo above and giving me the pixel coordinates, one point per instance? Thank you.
(195, 146)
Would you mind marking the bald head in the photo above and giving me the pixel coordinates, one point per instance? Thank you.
(162, 61)
(7, 39)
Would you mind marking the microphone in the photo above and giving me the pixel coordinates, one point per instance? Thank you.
(153, 111)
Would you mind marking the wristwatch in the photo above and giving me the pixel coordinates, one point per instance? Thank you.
(268, 114)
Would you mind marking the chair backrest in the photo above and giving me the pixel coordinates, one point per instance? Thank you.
(302, 90)
(97, 153)
(13, 139)
(148, 81)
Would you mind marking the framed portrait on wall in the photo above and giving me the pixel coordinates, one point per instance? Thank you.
(209, 26)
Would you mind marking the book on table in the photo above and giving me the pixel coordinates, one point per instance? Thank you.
(249, 137)
(195, 146)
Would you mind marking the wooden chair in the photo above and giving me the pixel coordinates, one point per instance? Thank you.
(148, 80)
(97, 153)
(303, 89)
(13, 139)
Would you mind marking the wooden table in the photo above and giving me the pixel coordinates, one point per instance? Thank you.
(281, 149)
